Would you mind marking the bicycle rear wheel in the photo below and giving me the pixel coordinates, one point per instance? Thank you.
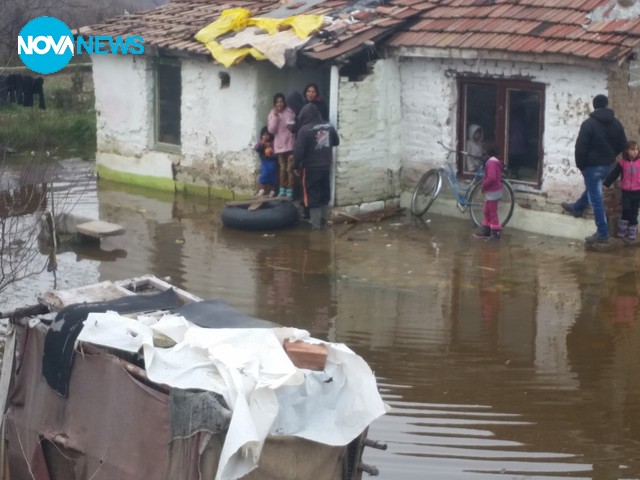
(426, 191)
(505, 204)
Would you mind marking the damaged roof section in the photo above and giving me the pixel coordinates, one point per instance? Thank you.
(586, 29)
(348, 26)
(600, 30)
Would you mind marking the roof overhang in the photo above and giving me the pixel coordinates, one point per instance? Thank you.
(500, 55)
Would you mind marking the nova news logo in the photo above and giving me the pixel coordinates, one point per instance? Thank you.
(46, 45)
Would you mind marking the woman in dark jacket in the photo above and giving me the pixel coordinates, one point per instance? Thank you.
(312, 95)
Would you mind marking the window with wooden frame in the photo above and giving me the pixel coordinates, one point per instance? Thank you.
(168, 100)
(509, 113)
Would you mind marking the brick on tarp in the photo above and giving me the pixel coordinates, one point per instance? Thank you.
(312, 356)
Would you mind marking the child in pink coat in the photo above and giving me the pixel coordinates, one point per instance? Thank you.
(629, 168)
(281, 123)
(492, 189)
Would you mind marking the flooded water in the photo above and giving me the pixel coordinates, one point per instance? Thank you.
(517, 359)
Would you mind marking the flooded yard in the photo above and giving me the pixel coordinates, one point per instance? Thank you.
(517, 359)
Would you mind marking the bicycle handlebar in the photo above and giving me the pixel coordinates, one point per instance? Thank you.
(451, 150)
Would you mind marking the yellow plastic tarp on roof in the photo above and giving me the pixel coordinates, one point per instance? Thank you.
(237, 19)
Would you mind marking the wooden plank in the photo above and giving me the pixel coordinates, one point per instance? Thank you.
(7, 369)
(251, 201)
(137, 283)
(5, 384)
(56, 300)
(99, 229)
(345, 45)
(255, 205)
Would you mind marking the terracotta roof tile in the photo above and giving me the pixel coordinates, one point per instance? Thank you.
(172, 26)
(525, 26)
(567, 27)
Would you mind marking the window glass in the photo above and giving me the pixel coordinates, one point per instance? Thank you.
(168, 99)
(480, 108)
(508, 113)
(523, 134)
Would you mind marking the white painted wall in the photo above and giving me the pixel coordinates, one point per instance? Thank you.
(124, 109)
(219, 126)
(216, 120)
(369, 124)
(123, 95)
(429, 106)
(389, 122)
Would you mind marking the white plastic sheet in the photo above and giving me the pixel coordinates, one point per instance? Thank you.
(250, 369)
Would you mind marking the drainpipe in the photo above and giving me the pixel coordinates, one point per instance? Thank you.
(334, 83)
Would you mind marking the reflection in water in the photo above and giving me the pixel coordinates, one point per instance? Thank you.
(27, 188)
(294, 281)
(518, 359)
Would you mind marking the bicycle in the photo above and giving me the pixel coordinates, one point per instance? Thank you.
(468, 197)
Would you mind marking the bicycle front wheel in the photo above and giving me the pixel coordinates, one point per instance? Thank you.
(426, 191)
(505, 204)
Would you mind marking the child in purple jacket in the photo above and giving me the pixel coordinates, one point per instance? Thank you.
(492, 189)
(629, 167)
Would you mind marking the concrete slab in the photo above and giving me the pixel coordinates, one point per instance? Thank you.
(533, 221)
(99, 229)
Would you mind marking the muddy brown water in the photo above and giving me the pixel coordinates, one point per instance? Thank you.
(518, 359)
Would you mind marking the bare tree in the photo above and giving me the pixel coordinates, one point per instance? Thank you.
(21, 205)
(26, 194)
(29, 207)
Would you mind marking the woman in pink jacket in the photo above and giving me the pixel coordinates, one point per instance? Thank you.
(492, 189)
(281, 123)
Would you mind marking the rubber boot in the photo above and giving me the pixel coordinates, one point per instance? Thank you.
(495, 235)
(623, 227)
(325, 214)
(632, 232)
(289, 193)
(570, 208)
(282, 192)
(482, 231)
(315, 214)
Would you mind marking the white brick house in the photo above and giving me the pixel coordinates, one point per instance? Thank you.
(394, 93)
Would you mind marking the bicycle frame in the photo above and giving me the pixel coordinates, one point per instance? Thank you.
(461, 192)
(469, 197)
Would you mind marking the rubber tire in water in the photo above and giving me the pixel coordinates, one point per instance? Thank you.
(426, 191)
(270, 216)
(505, 205)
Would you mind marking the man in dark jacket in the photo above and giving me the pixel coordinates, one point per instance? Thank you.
(312, 157)
(600, 140)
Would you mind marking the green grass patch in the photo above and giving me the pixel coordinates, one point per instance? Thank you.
(67, 127)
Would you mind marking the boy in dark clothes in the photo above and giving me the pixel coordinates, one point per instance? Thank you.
(312, 157)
